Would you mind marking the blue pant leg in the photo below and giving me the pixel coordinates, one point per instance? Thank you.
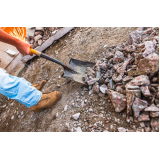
(18, 89)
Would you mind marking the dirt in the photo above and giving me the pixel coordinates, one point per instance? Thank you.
(82, 44)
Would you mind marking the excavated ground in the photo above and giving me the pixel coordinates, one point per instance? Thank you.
(83, 44)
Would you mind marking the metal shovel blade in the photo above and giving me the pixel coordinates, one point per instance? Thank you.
(80, 67)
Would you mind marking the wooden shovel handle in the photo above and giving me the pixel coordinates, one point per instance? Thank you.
(35, 52)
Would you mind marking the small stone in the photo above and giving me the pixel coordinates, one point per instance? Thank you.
(36, 38)
(90, 110)
(144, 117)
(155, 124)
(154, 114)
(103, 88)
(39, 28)
(152, 108)
(92, 81)
(95, 88)
(65, 108)
(79, 129)
(40, 42)
(155, 79)
(121, 129)
(147, 129)
(19, 116)
(119, 89)
(12, 117)
(138, 105)
(76, 116)
(58, 86)
(142, 124)
(111, 127)
(21, 113)
(131, 118)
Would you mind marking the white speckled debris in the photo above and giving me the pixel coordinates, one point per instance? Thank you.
(121, 129)
(79, 129)
(76, 116)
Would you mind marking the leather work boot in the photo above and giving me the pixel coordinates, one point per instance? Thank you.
(46, 101)
(40, 85)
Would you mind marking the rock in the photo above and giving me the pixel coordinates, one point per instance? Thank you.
(131, 118)
(118, 57)
(21, 113)
(36, 38)
(103, 66)
(116, 77)
(134, 37)
(65, 108)
(79, 129)
(109, 55)
(90, 110)
(92, 81)
(19, 116)
(155, 85)
(112, 85)
(131, 93)
(149, 48)
(121, 129)
(155, 124)
(138, 105)
(30, 32)
(103, 88)
(130, 48)
(76, 116)
(119, 89)
(90, 71)
(127, 79)
(58, 86)
(151, 63)
(152, 108)
(105, 131)
(40, 42)
(96, 88)
(118, 100)
(12, 117)
(111, 127)
(39, 28)
(155, 79)
(122, 67)
(57, 114)
(142, 124)
(144, 117)
(147, 129)
(145, 91)
(154, 114)
(38, 32)
(139, 81)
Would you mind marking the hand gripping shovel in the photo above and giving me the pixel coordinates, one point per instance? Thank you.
(76, 69)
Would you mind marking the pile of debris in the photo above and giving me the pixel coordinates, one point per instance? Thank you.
(36, 36)
(129, 75)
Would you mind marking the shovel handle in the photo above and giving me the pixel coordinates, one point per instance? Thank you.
(35, 52)
(52, 59)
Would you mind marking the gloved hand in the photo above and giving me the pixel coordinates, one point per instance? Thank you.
(22, 47)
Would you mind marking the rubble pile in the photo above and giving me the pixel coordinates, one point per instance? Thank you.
(36, 36)
(129, 75)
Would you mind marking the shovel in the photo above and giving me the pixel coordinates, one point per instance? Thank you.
(76, 69)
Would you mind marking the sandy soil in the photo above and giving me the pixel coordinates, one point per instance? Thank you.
(83, 44)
